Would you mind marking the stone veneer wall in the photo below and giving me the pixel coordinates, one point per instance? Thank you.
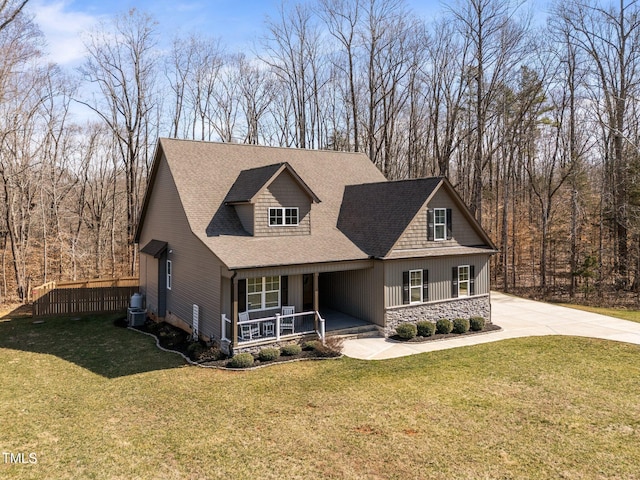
(477, 306)
(255, 348)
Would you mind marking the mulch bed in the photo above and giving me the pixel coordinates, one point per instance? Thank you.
(491, 327)
(177, 340)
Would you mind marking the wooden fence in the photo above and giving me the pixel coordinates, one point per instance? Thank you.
(40, 290)
(69, 301)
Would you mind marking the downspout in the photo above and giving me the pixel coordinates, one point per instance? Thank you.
(234, 313)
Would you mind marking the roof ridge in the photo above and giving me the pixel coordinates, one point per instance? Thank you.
(270, 147)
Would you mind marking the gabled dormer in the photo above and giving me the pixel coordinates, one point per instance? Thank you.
(400, 218)
(272, 201)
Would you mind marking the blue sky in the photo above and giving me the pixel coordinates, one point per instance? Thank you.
(238, 22)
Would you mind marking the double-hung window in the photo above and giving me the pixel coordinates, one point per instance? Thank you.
(463, 281)
(169, 274)
(439, 223)
(283, 216)
(415, 286)
(263, 293)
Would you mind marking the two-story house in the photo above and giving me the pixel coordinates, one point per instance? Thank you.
(251, 245)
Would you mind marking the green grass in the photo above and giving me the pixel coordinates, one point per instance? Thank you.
(624, 314)
(94, 401)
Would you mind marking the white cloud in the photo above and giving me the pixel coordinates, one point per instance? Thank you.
(62, 29)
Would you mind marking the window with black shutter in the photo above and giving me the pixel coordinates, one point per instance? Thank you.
(415, 286)
(439, 224)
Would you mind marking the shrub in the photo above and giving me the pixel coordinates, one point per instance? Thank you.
(407, 331)
(444, 326)
(426, 328)
(290, 350)
(195, 350)
(461, 325)
(331, 348)
(211, 354)
(311, 345)
(268, 354)
(241, 360)
(476, 324)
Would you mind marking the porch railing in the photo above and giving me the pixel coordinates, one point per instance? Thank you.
(276, 327)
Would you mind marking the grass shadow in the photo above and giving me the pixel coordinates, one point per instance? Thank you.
(90, 341)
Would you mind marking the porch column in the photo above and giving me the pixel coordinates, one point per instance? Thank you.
(316, 299)
(234, 315)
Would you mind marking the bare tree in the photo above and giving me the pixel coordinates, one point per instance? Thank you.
(122, 64)
(610, 36)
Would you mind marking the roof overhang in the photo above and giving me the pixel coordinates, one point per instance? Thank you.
(155, 248)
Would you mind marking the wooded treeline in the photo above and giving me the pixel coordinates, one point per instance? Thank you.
(536, 122)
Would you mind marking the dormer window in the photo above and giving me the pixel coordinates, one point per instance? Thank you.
(283, 216)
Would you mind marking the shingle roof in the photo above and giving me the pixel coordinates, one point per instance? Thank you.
(250, 182)
(205, 172)
(374, 215)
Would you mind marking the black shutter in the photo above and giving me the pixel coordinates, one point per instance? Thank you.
(454, 282)
(405, 288)
(284, 290)
(425, 285)
(449, 224)
(472, 280)
(430, 224)
(242, 295)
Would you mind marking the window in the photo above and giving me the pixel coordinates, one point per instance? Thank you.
(283, 216)
(463, 281)
(440, 224)
(169, 274)
(415, 286)
(263, 293)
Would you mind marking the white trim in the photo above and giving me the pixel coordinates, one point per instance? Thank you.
(169, 274)
(283, 216)
(467, 281)
(436, 224)
(420, 287)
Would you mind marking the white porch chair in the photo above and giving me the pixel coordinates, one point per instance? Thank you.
(248, 330)
(286, 323)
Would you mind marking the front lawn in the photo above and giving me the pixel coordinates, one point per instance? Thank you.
(95, 401)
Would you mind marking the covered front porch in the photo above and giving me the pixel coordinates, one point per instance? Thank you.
(283, 327)
(269, 306)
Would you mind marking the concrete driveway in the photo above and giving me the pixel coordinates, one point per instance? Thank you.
(518, 318)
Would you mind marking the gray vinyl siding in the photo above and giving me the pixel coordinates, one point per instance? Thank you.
(245, 214)
(295, 292)
(284, 191)
(196, 271)
(355, 292)
(440, 269)
(149, 281)
(415, 236)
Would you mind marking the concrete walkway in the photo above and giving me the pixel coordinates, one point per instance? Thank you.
(518, 318)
